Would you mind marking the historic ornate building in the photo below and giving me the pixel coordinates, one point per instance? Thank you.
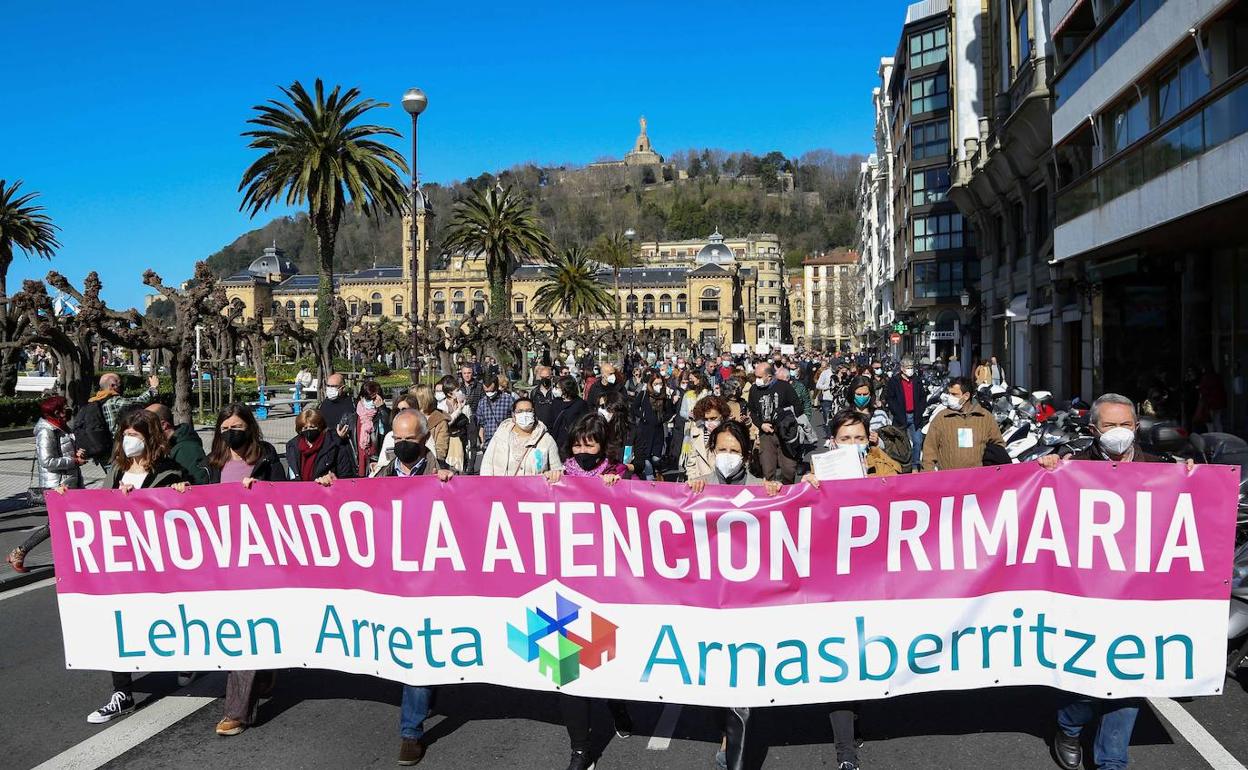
(717, 291)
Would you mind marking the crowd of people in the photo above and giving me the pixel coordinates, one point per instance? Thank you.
(713, 420)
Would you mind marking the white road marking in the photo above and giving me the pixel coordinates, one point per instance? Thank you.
(128, 732)
(1195, 733)
(27, 588)
(663, 730)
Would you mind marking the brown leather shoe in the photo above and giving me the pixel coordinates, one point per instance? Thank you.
(411, 751)
(230, 727)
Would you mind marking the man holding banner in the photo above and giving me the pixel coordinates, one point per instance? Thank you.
(1113, 418)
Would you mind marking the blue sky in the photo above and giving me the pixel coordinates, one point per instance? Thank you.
(126, 116)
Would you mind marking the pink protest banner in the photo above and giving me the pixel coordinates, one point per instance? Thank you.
(1097, 578)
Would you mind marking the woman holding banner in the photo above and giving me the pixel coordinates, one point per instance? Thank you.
(140, 460)
(586, 450)
(239, 453)
(731, 445)
(521, 446)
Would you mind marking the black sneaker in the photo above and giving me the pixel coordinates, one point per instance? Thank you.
(117, 705)
(580, 761)
(623, 724)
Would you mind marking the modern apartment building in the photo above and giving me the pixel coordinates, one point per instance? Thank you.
(933, 91)
(875, 221)
(1150, 132)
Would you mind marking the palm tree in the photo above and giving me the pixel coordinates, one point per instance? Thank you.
(25, 227)
(572, 287)
(615, 250)
(501, 225)
(314, 155)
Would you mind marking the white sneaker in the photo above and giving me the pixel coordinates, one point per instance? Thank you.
(117, 705)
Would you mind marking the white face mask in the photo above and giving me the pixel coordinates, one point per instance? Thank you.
(526, 419)
(759, 382)
(710, 425)
(610, 379)
(556, 392)
(1116, 441)
(331, 392)
(606, 415)
(133, 446)
(657, 387)
(908, 372)
(950, 401)
(728, 463)
(439, 396)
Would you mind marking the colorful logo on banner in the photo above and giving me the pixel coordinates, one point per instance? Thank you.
(559, 651)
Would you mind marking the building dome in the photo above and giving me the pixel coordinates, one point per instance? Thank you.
(715, 252)
(272, 262)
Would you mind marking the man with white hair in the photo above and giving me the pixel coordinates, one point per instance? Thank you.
(113, 403)
(1113, 420)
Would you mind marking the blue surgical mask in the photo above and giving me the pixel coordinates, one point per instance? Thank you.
(861, 401)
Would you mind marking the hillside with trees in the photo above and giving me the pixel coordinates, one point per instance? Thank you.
(737, 193)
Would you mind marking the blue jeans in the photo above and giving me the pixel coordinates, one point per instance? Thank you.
(413, 710)
(916, 443)
(1113, 735)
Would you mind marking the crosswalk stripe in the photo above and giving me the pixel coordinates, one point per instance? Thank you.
(1195, 733)
(130, 731)
(664, 728)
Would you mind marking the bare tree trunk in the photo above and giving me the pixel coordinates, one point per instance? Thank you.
(9, 359)
(182, 361)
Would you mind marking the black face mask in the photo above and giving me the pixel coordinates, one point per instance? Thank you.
(408, 452)
(545, 383)
(237, 439)
(310, 435)
(587, 460)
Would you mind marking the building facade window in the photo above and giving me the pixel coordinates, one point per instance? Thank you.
(682, 304)
(665, 303)
(929, 94)
(478, 302)
(647, 304)
(398, 308)
(930, 186)
(631, 304)
(937, 232)
(305, 309)
(930, 139)
(457, 303)
(927, 48)
(710, 301)
(290, 308)
(518, 307)
(439, 303)
(374, 305)
(934, 280)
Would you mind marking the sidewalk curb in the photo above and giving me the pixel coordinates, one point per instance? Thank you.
(18, 579)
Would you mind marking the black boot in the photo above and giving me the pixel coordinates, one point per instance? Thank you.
(1067, 750)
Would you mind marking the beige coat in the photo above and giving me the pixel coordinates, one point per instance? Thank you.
(941, 448)
(539, 454)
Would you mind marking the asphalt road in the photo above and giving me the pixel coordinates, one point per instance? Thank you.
(322, 719)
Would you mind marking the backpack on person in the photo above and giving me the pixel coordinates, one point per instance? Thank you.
(91, 432)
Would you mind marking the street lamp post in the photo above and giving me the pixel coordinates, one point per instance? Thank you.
(630, 235)
(414, 102)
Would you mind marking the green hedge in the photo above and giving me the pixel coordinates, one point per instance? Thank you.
(18, 412)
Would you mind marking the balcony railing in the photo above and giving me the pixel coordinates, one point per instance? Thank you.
(1223, 116)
